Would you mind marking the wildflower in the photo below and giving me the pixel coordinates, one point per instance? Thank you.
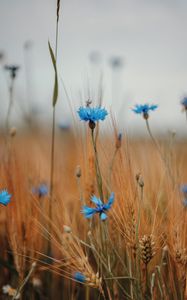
(144, 109)
(184, 188)
(12, 69)
(78, 276)
(42, 190)
(116, 62)
(64, 126)
(184, 191)
(4, 197)
(184, 103)
(92, 114)
(100, 208)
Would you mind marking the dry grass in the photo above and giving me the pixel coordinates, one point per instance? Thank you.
(138, 253)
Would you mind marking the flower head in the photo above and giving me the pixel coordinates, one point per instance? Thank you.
(41, 190)
(184, 191)
(184, 103)
(92, 114)
(144, 109)
(184, 202)
(80, 277)
(100, 208)
(12, 69)
(4, 197)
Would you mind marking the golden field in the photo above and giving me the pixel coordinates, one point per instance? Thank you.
(138, 252)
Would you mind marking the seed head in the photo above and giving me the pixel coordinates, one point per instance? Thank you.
(13, 131)
(147, 247)
(78, 171)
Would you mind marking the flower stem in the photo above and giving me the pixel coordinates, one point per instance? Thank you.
(53, 143)
(159, 151)
(111, 170)
(11, 88)
(137, 266)
(18, 292)
(97, 167)
(52, 167)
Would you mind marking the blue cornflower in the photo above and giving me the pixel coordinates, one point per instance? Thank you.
(4, 197)
(184, 188)
(92, 114)
(184, 191)
(100, 208)
(78, 276)
(41, 190)
(64, 126)
(144, 109)
(12, 69)
(184, 102)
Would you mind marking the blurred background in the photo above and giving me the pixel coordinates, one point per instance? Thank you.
(129, 51)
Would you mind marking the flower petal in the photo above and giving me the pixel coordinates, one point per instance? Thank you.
(88, 211)
(96, 200)
(110, 202)
(103, 216)
(93, 114)
(4, 197)
(80, 277)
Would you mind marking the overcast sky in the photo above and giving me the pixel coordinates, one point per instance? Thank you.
(150, 36)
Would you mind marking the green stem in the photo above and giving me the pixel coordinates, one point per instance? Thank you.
(104, 264)
(111, 169)
(52, 152)
(49, 250)
(97, 168)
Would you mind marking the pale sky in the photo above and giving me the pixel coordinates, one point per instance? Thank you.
(150, 35)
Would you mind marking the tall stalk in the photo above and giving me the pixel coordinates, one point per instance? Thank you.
(52, 167)
(168, 168)
(12, 69)
(97, 167)
(53, 122)
(10, 104)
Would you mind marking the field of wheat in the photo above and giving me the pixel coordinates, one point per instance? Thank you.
(50, 250)
(87, 211)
